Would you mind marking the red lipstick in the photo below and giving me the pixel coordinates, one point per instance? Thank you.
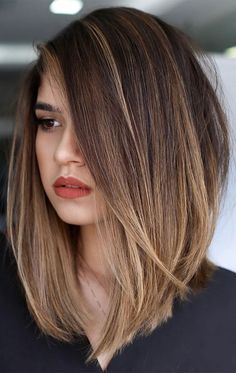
(71, 187)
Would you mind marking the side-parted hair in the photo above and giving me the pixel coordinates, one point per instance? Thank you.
(155, 138)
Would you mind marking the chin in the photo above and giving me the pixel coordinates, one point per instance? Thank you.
(74, 216)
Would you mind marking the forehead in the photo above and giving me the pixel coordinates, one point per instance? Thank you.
(50, 92)
(47, 89)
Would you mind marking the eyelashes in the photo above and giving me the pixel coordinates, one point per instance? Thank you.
(46, 124)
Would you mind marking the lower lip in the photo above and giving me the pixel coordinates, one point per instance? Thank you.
(71, 192)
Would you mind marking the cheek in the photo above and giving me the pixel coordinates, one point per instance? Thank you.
(44, 155)
(40, 150)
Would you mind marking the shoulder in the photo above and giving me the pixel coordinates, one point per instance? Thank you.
(7, 260)
(10, 286)
(216, 301)
(201, 335)
(6, 257)
(206, 321)
(222, 278)
(223, 285)
(220, 288)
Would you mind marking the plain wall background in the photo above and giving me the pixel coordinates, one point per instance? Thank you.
(222, 250)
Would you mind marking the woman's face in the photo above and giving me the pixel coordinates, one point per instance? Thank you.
(58, 156)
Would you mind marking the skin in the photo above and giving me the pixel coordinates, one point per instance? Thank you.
(58, 155)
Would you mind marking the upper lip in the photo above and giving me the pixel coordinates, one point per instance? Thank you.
(61, 181)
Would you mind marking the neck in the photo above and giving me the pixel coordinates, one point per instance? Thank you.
(89, 249)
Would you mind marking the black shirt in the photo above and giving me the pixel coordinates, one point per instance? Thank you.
(200, 337)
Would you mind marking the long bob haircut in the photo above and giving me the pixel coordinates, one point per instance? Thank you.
(154, 135)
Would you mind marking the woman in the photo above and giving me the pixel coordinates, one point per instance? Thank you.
(119, 163)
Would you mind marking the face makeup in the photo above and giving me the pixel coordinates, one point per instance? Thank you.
(71, 187)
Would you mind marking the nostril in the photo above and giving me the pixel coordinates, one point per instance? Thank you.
(81, 163)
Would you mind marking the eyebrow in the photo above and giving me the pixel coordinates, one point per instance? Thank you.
(46, 107)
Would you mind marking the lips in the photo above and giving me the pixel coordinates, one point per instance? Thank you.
(71, 188)
(70, 182)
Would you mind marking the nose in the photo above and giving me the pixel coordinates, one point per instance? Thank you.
(67, 149)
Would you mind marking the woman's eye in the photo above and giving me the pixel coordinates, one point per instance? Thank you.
(47, 124)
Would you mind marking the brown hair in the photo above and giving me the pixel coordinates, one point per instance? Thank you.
(155, 138)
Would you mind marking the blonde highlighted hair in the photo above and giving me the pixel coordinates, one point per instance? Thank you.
(155, 139)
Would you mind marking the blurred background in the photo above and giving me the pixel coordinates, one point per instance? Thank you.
(211, 23)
